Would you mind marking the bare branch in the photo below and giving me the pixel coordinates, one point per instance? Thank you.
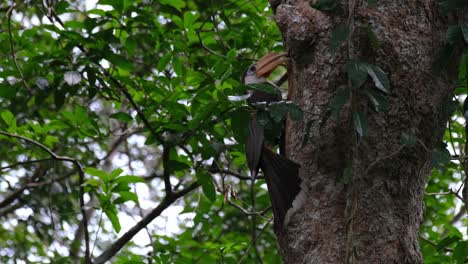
(249, 212)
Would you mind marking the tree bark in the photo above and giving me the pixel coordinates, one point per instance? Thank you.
(374, 216)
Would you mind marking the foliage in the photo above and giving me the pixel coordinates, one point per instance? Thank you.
(118, 110)
(136, 92)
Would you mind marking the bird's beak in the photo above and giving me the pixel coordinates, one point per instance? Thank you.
(266, 65)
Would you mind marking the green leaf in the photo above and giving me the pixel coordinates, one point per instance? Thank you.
(7, 91)
(379, 77)
(120, 62)
(120, 187)
(115, 173)
(231, 55)
(449, 5)
(440, 158)
(454, 33)
(131, 44)
(295, 112)
(99, 173)
(177, 65)
(463, 70)
(163, 61)
(129, 179)
(338, 101)
(122, 116)
(112, 215)
(360, 123)
(339, 36)
(206, 182)
(175, 165)
(239, 124)
(264, 119)
(61, 7)
(444, 58)
(357, 72)
(190, 18)
(379, 101)
(9, 119)
(50, 141)
(460, 253)
(326, 5)
(268, 88)
(178, 4)
(116, 4)
(278, 110)
(125, 197)
(92, 182)
(447, 241)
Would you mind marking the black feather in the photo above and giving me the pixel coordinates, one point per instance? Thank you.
(283, 181)
(254, 145)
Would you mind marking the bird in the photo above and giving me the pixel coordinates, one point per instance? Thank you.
(281, 174)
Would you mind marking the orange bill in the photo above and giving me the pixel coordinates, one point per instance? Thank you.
(266, 65)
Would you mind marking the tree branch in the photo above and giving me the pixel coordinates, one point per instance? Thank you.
(238, 175)
(12, 48)
(434, 244)
(16, 194)
(165, 203)
(80, 182)
(24, 163)
(166, 172)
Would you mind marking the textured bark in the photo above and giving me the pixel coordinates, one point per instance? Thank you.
(375, 217)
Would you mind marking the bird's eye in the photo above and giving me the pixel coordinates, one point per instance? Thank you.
(252, 69)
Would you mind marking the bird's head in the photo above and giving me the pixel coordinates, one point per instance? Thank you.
(259, 72)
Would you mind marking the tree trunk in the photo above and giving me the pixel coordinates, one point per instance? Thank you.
(374, 215)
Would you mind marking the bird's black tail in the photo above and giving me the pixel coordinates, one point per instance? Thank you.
(284, 185)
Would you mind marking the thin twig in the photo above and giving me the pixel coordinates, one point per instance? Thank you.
(25, 163)
(12, 48)
(121, 87)
(253, 222)
(16, 194)
(393, 154)
(439, 193)
(389, 156)
(208, 49)
(166, 171)
(238, 175)
(434, 244)
(261, 232)
(78, 166)
(250, 212)
(97, 232)
(423, 145)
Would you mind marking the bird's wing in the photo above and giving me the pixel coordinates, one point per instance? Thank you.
(254, 145)
(283, 181)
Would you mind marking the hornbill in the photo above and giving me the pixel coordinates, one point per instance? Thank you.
(281, 174)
